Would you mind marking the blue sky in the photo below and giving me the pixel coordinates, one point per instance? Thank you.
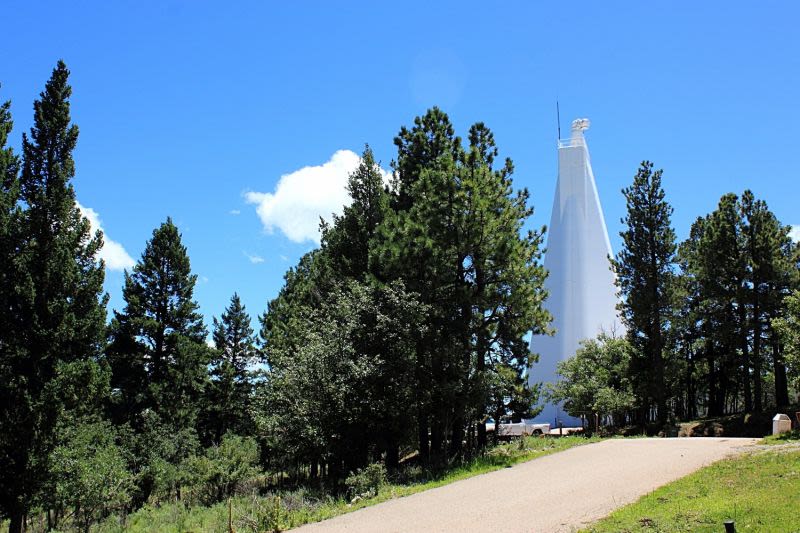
(197, 109)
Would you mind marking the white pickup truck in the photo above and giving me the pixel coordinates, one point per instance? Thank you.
(508, 429)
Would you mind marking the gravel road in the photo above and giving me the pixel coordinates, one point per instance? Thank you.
(559, 492)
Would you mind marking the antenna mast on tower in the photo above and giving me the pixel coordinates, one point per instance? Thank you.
(558, 119)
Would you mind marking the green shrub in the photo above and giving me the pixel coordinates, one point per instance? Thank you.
(366, 482)
(265, 514)
(88, 474)
(220, 471)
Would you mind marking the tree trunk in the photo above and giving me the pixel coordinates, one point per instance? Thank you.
(422, 434)
(691, 408)
(746, 380)
(779, 368)
(457, 441)
(392, 457)
(16, 522)
(660, 385)
(437, 439)
(481, 435)
(757, 391)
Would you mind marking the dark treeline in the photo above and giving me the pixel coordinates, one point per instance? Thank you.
(397, 338)
(710, 322)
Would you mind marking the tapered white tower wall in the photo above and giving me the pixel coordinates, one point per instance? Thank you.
(582, 296)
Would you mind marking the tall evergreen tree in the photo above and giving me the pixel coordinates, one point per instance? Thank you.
(348, 240)
(717, 263)
(415, 244)
(157, 351)
(10, 352)
(738, 261)
(10, 213)
(771, 276)
(788, 329)
(645, 277)
(503, 276)
(455, 237)
(229, 392)
(785, 284)
(57, 318)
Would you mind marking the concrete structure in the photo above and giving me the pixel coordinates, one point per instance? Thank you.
(781, 424)
(581, 284)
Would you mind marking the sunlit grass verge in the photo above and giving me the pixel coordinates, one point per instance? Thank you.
(286, 510)
(757, 490)
(783, 438)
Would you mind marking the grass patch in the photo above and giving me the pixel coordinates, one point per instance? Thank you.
(783, 438)
(291, 509)
(758, 490)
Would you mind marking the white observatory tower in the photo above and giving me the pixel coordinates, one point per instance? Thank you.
(582, 295)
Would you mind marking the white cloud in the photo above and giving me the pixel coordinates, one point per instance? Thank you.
(112, 252)
(795, 233)
(305, 195)
(255, 259)
(235, 212)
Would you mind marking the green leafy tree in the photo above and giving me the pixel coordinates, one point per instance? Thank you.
(788, 329)
(221, 471)
(596, 380)
(645, 277)
(340, 271)
(341, 395)
(155, 452)
(89, 478)
(54, 325)
(231, 387)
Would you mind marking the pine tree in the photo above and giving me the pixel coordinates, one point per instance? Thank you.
(503, 276)
(645, 277)
(57, 319)
(787, 327)
(11, 353)
(231, 386)
(738, 261)
(455, 237)
(157, 352)
(770, 277)
(416, 244)
(779, 306)
(348, 239)
(10, 213)
(719, 266)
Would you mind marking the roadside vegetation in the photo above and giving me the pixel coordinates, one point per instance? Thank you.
(255, 507)
(757, 490)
